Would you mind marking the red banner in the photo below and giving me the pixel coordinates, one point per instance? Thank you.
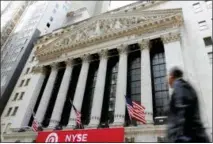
(83, 135)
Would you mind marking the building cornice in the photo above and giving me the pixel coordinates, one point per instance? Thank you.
(147, 26)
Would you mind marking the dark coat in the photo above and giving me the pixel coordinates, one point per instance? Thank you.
(184, 122)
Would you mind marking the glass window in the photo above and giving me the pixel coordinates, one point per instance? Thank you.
(160, 88)
(27, 71)
(202, 25)
(27, 82)
(9, 111)
(15, 111)
(51, 18)
(54, 11)
(56, 5)
(21, 96)
(16, 95)
(207, 41)
(197, 7)
(21, 84)
(210, 57)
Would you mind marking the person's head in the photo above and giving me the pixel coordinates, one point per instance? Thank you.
(174, 74)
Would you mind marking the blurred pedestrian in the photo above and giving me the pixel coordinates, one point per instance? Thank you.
(184, 121)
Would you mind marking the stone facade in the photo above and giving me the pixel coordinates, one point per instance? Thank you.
(117, 29)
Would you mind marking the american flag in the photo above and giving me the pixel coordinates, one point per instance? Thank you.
(35, 124)
(135, 110)
(78, 114)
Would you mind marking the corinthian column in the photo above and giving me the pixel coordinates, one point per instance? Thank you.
(99, 91)
(173, 52)
(121, 87)
(146, 85)
(61, 97)
(79, 92)
(47, 93)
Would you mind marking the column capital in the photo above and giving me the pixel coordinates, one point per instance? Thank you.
(144, 44)
(122, 49)
(103, 53)
(69, 61)
(85, 57)
(39, 69)
(170, 37)
(54, 65)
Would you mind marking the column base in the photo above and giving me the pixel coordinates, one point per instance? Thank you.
(92, 126)
(53, 123)
(117, 124)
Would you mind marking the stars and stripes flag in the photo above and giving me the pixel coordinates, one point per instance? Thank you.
(35, 123)
(78, 114)
(135, 110)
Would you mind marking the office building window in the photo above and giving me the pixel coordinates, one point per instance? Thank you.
(48, 25)
(210, 57)
(27, 82)
(9, 111)
(27, 71)
(197, 7)
(16, 95)
(56, 5)
(32, 58)
(51, 18)
(208, 4)
(15, 111)
(207, 41)
(202, 25)
(54, 11)
(21, 96)
(21, 84)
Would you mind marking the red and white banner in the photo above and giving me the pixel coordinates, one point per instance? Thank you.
(83, 135)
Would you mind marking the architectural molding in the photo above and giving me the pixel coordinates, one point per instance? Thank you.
(144, 44)
(103, 53)
(39, 69)
(86, 57)
(170, 37)
(107, 29)
(122, 49)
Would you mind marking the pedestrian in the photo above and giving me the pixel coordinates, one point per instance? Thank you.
(184, 121)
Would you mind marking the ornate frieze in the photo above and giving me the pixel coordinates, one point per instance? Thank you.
(170, 37)
(106, 29)
(144, 44)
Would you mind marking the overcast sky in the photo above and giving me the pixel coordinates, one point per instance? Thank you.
(117, 4)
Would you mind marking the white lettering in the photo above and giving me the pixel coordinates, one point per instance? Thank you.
(76, 138)
(84, 137)
(79, 137)
(73, 137)
(68, 138)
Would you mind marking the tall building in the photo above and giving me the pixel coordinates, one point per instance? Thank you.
(45, 16)
(10, 16)
(96, 62)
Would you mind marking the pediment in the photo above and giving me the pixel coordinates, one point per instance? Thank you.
(108, 25)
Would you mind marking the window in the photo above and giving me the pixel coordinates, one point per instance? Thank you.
(197, 7)
(51, 18)
(48, 25)
(210, 57)
(9, 111)
(54, 11)
(14, 112)
(27, 82)
(202, 25)
(21, 84)
(32, 58)
(21, 96)
(25, 41)
(207, 41)
(56, 5)
(16, 95)
(27, 71)
(208, 4)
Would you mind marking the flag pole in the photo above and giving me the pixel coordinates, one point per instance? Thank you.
(81, 126)
(128, 111)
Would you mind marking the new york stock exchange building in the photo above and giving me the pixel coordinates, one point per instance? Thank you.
(97, 62)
